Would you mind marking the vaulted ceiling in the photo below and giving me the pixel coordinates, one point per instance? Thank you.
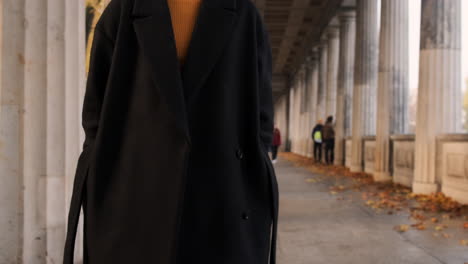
(294, 26)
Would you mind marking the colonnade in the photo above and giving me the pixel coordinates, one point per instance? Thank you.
(359, 73)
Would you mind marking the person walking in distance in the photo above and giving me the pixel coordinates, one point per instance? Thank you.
(276, 144)
(317, 138)
(329, 140)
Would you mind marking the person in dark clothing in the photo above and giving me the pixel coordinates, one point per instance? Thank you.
(317, 138)
(276, 144)
(174, 167)
(329, 140)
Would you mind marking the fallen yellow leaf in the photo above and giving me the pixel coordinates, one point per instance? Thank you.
(401, 228)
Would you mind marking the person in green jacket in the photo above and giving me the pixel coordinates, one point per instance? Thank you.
(317, 138)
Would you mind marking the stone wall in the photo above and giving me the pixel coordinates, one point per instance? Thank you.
(452, 165)
(402, 163)
(369, 153)
(348, 144)
(452, 161)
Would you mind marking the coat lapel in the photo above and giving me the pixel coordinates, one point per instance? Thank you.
(153, 27)
(214, 25)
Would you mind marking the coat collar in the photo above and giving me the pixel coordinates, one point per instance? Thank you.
(153, 27)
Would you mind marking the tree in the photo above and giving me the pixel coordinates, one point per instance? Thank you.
(94, 9)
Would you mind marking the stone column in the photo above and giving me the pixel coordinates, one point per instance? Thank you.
(12, 61)
(312, 84)
(345, 82)
(392, 99)
(295, 114)
(302, 110)
(287, 136)
(315, 65)
(75, 54)
(309, 102)
(332, 72)
(298, 115)
(37, 120)
(281, 118)
(365, 77)
(291, 118)
(439, 103)
(55, 139)
(34, 117)
(322, 85)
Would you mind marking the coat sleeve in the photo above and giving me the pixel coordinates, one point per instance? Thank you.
(265, 88)
(99, 65)
(100, 61)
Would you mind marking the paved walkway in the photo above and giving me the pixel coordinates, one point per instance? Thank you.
(316, 227)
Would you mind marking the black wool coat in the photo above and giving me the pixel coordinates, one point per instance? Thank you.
(174, 167)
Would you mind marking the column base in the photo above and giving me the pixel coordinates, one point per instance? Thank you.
(354, 168)
(459, 195)
(338, 162)
(381, 176)
(425, 188)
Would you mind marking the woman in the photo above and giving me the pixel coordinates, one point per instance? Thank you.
(174, 167)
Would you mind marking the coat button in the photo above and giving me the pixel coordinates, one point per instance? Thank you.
(239, 154)
(245, 216)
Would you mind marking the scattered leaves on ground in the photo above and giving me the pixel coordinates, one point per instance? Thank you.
(427, 211)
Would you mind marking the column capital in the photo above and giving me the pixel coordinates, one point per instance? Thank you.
(310, 60)
(302, 70)
(313, 53)
(346, 15)
(332, 32)
(323, 42)
(299, 71)
(442, 30)
(293, 81)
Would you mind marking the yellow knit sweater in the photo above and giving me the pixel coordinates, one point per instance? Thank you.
(183, 16)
